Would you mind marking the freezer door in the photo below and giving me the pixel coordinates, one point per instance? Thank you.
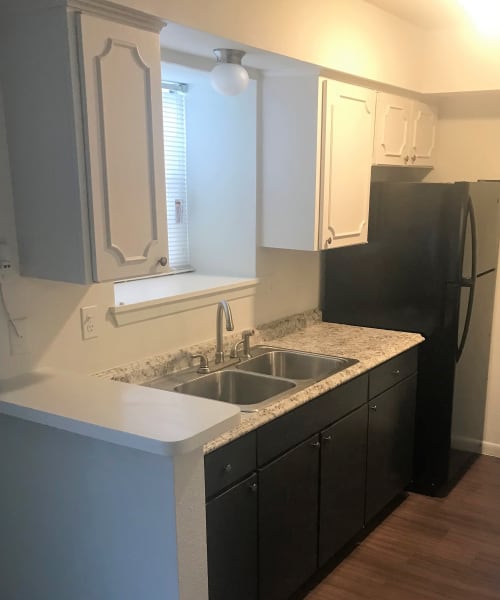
(485, 201)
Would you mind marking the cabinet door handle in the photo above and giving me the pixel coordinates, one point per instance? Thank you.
(253, 488)
(373, 407)
(396, 372)
(329, 240)
(327, 438)
(315, 444)
(228, 468)
(414, 158)
(406, 159)
(163, 261)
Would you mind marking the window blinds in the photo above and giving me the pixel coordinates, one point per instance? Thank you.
(174, 141)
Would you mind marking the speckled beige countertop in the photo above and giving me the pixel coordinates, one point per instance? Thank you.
(370, 347)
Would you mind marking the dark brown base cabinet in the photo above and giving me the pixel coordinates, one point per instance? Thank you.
(232, 543)
(309, 481)
(391, 421)
(342, 483)
(288, 521)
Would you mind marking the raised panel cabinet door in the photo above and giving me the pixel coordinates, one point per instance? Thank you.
(392, 130)
(232, 543)
(347, 145)
(288, 521)
(391, 424)
(423, 135)
(342, 482)
(121, 87)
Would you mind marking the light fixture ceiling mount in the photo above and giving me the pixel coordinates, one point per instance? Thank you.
(229, 77)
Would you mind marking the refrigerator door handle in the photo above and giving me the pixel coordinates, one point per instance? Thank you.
(469, 282)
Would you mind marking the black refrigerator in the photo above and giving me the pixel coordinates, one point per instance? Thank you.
(429, 267)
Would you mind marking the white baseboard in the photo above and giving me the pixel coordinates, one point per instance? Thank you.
(491, 449)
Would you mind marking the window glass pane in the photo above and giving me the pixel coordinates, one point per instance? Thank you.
(174, 140)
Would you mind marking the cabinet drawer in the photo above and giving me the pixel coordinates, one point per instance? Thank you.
(393, 371)
(287, 431)
(230, 463)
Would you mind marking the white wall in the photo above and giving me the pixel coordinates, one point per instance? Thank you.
(222, 168)
(468, 148)
(349, 36)
(460, 60)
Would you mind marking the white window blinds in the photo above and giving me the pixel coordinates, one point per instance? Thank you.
(174, 141)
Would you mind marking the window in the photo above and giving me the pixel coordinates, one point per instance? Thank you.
(174, 141)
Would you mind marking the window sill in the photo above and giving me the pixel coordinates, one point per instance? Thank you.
(145, 299)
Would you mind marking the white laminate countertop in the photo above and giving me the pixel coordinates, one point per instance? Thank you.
(370, 347)
(143, 418)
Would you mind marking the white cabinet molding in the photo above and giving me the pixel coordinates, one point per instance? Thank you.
(118, 13)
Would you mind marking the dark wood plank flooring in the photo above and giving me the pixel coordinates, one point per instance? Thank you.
(429, 548)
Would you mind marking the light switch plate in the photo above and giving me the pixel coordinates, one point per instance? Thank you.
(89, 322)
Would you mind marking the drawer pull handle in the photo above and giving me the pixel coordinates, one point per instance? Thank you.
(228, 468)
(373, 407)
(327, 438)
(253, 488)
(396, 372)
(315, 444)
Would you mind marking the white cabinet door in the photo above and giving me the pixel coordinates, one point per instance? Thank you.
(348, 125)
(423, 134)
(392, 130)
(121, 82)
(405, 132)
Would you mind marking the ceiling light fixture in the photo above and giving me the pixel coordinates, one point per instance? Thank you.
(228, 77)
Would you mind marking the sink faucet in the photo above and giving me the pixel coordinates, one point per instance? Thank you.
(223, 306)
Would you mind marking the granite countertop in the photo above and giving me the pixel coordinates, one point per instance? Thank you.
(370, 347)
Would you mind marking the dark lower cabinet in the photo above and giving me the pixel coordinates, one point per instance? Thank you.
(342, 482)
(288, 521)
(391, 418)
(232, 543)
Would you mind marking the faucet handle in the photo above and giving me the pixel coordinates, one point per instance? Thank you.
(245, 343)
(203, 366)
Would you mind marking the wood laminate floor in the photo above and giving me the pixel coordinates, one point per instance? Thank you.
(429, 548)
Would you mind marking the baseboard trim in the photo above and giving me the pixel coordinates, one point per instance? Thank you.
(491, 449)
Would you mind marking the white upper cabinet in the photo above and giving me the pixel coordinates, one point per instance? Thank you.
(347, 142)
(89, 190)
(122, 82)
(316, 162)
(405, 132)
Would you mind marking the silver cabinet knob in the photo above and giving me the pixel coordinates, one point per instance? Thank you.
(327, 438)
(315, 444)
(414, 158)
(228, 468)
(329, 241)
(253, 487)
(163, 261)
(373, 407)
(406, 159)
(396, 372)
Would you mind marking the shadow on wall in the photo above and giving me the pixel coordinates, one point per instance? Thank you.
(289, 283)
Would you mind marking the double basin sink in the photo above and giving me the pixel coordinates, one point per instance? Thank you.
(253, 383)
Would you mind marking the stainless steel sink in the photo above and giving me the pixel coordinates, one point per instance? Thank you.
(296, 365)
(237, 387)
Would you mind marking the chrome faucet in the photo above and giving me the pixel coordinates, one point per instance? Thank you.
(219, 349)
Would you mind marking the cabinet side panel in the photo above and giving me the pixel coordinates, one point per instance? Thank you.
(289, 157)
(42, 129)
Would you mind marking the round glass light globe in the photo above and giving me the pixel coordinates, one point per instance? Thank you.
(229, 79)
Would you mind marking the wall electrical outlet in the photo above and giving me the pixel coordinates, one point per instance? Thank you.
(89, 322)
